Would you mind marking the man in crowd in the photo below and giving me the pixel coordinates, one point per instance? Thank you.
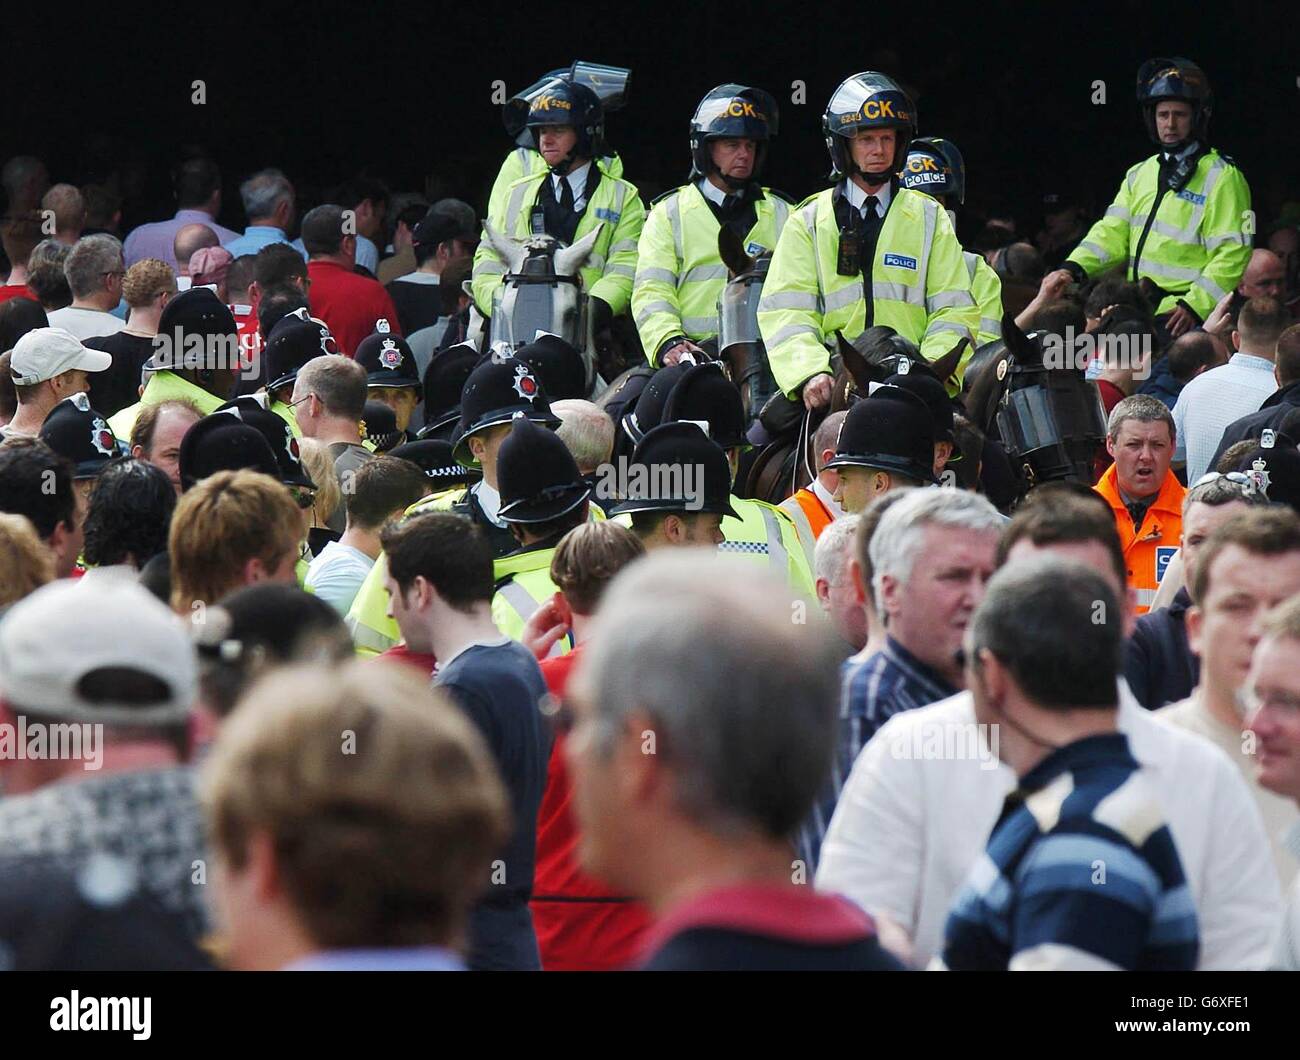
(440, 589)
(1278, 405)
(198, 199)
(447, 234)
(268, 199)
(588, 433)
(233, 528)
(190, 239)
(349, 303)
(1159, 664)
(925, 792)
(18, 236)
(382, 489)
(37, 483)
(95, 271)
(692, 767)
(1211, 402)
(1142, 491)
(360, 861)
(1033, 900)
(1272, 700)
(147, 288)
(157, 433)
(120, 661)
(329, 399)
(65, 206)
(48, 365)
(1249, 565)
(837, 591)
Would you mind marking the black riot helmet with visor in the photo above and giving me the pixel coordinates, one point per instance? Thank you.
(868, 100)
(1182, 81)
(732, 112)
(936, 167)
(609, 83)
(565, 102)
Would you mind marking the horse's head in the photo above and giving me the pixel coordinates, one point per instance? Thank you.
(878, 353)
(1047, 415)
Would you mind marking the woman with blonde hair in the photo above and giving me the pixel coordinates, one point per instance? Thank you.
(25, 561)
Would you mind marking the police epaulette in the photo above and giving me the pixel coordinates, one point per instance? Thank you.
(660, 198)
(780, 195)
(1229, 159)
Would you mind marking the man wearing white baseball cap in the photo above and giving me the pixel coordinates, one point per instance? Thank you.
(97, 684)
(48, 365)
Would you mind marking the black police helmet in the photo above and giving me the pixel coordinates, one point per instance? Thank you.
(649, 410)
(936, 167)
(278, 434)
(890, 430)
(1175, 79)
(868, 100)
(666, 460)
(536, 474)
(388, 360)
(495, 390)
(433, 457)
(732, 112)
(76, 431)
(221, 442)
(706, 395)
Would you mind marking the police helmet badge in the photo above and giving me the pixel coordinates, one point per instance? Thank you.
(1268, 439)
(1259, 474)
(100, 436)
(382, 326)
(291, 445)
(525, 383)
(904, 366)
(81, 401)
(389, 355)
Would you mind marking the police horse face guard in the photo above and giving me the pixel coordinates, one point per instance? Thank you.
(1049, 420)
(542, 291)
(740, 345)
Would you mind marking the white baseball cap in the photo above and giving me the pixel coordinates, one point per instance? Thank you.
(61, 635)
(43, 353)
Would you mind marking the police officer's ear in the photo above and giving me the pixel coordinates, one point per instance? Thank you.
(1195, 628)
(675, 530)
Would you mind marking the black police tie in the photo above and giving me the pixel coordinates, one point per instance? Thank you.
(871, 225)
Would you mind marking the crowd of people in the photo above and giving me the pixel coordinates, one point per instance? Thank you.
(337, 636)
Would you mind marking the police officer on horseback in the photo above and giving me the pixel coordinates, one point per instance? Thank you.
(937, 168)
(680, 272)
(1180, 223)
(866, 251)
(570, 198)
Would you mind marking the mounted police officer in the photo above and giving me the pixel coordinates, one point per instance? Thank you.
(1180, 223)
(887, 443)
(680, 273)
(866, 251)
(573, 197)
(936, 167)
(610, 85)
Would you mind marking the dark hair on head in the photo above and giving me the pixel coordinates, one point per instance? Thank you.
(129, 514)
(1114, 292)
(1020, 261)
(322, 229)
(1055, 317)
(411, 215)
(36, 482)
(1263, 320)
(1231, 457)
(18, 316)
(48, 282)
(277, 303)
(1056, 626)
(276, 264)
(447, 550)
(259, 627)
(1064, 513)
(352, 193)
(1189, 353)
(557, 526)
(239, 274)
(1288, 356)
(146, 423)
(379, 487)
(8, 392)
(195, 181)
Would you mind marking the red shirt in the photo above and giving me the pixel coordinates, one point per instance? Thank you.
(349, 303)
(250, 339)
(402, 654)
(581, 924)
(17, 290)
(1111, 395)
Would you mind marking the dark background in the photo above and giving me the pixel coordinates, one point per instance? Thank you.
(328, 90)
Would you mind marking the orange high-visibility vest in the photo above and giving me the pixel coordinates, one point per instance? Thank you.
(810, 518)
(1149, 548)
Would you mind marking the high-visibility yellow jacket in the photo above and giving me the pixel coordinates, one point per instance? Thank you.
(986, 288)
(524, 583)
(608, 273)
(1199, 241)
(810, 518)
(919, 280)
(679, 274)
(373, 631)
(163, 386)
(285, 412)
(767, 535)
(524, 162)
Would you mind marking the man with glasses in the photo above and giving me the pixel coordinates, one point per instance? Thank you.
(94, 270)
(1249, 565)
(329, 399)
(1272, 699)
(1159, 664)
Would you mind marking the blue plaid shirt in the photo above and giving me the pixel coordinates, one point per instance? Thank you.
(872, 691)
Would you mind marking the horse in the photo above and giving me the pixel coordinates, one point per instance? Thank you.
(542, 291)
(1049, 421)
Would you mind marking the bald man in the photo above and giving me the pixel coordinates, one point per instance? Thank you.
(813, 508)
(190, 238)
(68, 208)
(1265, 275)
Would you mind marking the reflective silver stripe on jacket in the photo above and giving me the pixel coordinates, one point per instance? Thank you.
(675, 222)
(513, 209)
(775, 547)
(653, 273)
